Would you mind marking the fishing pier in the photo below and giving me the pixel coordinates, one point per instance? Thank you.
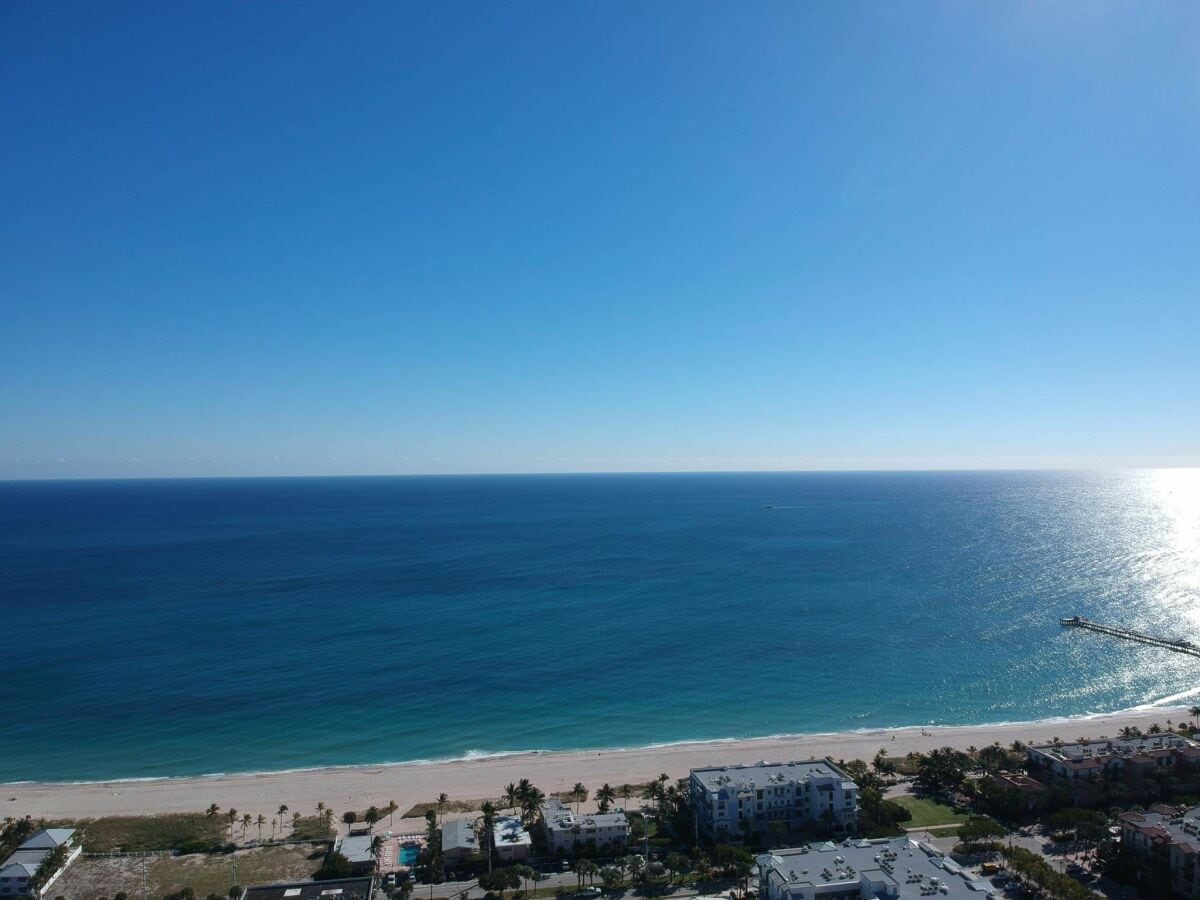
(1128, 634)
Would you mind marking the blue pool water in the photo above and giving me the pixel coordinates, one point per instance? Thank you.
(179, 627)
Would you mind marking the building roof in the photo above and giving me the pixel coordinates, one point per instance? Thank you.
(357, 848)
(734, 779)
(341, 889)
(510, 831)
(899, 867)
(1097, 753)
(1018, 782)
(48, 839)
(1167, 825)
(561, 818)
(459, 834)
(16, 868)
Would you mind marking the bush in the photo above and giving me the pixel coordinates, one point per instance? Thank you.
(335, 866)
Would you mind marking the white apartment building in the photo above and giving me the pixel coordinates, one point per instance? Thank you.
(884, 869)
(729, 800)
(511, 840)
(565, 830)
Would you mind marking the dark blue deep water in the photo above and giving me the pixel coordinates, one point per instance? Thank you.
(159, 628)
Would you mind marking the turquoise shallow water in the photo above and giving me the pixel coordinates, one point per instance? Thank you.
(159, 628)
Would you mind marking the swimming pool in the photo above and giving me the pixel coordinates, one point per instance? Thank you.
(409, 854)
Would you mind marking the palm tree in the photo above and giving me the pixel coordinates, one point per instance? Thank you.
(212, 812)
(534, 798)
(441, 801)
(526, 872)
(580, 793)
(247, 820)
(283, 811)
(511, 796)
(524, 786)
(391, 810)
(487, 836)
(232, 816)
(626, 790)
(1195, 713)
(585, 868)
(376, 846)
(621, 863)
(637, 865)
(261, 821)
(605, 797)
(321, 808)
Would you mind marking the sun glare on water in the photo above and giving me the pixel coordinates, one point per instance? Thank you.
(1175, 496)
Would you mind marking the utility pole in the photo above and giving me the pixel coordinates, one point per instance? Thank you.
(144, 897)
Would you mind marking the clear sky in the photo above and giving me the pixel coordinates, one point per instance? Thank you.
(265, 238)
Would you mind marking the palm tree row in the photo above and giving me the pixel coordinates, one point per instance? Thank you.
(280, 821)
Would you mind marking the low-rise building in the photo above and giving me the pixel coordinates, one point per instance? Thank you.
(459, 840)
(1026, 794)
(566, 830)
(357, 849)
(1168, 837)
(731, 800)
(1084, 766)
(340, 889)
(1077, 762)
(511, 840)
(892, 868)
(17, 873)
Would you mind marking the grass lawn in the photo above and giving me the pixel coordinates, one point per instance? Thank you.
(214, 874)
(149, 832)
(928, 812)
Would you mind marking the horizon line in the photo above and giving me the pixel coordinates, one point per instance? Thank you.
(603, 472)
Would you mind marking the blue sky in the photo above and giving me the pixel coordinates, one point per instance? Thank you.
(253, 238)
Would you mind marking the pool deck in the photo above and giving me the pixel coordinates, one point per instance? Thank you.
(389, 853)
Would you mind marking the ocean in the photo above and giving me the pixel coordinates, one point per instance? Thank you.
(181, 627)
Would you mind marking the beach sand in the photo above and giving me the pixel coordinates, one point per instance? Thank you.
(359, 787)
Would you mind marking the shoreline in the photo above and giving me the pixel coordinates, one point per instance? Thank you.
(469, 777)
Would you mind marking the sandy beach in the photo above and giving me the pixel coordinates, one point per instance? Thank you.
(362, 786)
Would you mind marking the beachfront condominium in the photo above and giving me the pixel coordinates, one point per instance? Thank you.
(894, 868)
(1082, 766)
(1166, 840)
(732, 801)
(567, 831)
